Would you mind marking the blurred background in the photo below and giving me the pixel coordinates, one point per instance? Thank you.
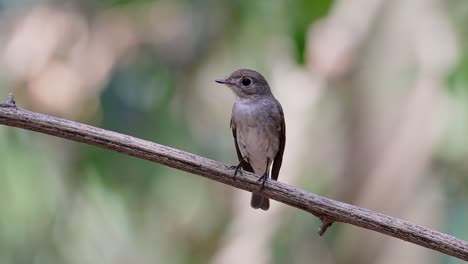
(375, 95)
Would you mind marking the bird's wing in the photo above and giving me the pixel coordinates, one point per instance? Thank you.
(245, 165)
(282, 141)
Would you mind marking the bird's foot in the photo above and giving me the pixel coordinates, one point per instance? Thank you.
(263, 179)
(238, 169)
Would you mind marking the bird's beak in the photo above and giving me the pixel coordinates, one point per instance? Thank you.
(223, 81)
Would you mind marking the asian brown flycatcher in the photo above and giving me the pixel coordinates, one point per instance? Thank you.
(258, 128)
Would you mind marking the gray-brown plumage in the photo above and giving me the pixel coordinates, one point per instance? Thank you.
(258, 128)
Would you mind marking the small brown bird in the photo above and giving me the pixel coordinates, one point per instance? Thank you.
(258, 128)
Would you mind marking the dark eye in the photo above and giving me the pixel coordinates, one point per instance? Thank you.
(246, 81)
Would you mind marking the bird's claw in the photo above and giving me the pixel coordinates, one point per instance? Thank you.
(237, 169)
(263, 179)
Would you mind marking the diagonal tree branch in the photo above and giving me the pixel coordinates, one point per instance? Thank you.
(327, 210)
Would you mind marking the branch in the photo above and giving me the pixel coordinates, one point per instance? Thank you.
(327, 210)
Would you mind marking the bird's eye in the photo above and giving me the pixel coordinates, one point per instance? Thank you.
(246, 81)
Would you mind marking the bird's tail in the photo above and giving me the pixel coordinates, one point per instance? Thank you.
(259, 201)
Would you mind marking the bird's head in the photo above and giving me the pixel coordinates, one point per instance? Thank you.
(246, 83)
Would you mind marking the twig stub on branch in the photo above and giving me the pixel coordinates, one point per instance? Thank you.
(326, 223)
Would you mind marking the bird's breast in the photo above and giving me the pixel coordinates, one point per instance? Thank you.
(257, 134)
(253, 113)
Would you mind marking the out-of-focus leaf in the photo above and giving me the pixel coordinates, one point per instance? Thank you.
(301, 14)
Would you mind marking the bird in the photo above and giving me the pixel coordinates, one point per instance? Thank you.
(258, 127)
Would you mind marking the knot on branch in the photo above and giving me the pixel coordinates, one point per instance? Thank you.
(10, 102)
